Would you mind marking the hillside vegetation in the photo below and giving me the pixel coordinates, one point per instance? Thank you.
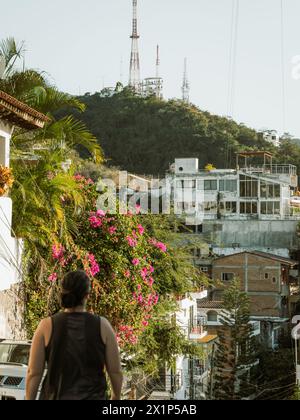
(145, 135)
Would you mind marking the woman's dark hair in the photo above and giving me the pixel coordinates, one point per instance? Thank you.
(75, 287)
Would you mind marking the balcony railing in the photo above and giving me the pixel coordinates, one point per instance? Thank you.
(197, 326)
(290, 170)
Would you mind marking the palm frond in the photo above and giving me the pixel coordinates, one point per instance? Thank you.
(11, 51)
(50, 100)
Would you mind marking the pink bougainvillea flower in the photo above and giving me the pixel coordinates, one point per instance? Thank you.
(145, 323)
(127, 274)
(141, 229)
(101, 213)
(135, 261)
(138, 208)
(158, 245)
(131, 242)
(53, 277)
(112, 230)
(79, 178)
(144, 273)
(58, 251)
(151, 269)
(151, 281)
(156, 299)
(95, 222)
(94, 268)
(161, 246)
(139, 287)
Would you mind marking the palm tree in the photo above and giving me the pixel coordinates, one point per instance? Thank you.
(41, 187)
(33, 88)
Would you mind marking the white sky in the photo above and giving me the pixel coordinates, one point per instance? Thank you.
(81, 43)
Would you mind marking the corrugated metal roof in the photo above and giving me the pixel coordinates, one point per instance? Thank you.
(207, 339)
(283, 260)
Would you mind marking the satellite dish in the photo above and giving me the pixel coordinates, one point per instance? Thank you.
(2, 66)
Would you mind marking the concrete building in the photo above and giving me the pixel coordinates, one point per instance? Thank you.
(216, 203)
(266, 278)
(193, 373)
(12, 113)
(272, 137)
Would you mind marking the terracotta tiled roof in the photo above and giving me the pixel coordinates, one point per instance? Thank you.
(20, 114)
(210, 304)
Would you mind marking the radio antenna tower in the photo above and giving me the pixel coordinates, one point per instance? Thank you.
(185, 85)
(134, 72)
(157, 61)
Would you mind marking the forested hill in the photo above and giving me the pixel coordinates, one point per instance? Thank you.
(145, 135)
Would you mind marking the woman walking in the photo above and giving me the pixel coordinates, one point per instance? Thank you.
(78, 347)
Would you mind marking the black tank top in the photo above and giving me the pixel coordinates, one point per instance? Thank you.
(75, 359)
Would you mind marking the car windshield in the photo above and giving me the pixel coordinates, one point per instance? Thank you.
(14, 353)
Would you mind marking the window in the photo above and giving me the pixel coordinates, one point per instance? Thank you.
(248, 187)
(270, 207)
(212, 316)
(188, 183)
(249, 207)
(185, 206)
(198, 252)
(274, 280)
(14, 353)
(204, 269)
(229, 185)
(200, 185)
(210, 207)
(227, 276)
(193, 229)
(269, 190)
(211, 185)
(228, 207)
(266, 276)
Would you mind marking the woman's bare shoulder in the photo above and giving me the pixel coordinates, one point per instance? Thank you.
(105, 324)
(44, 327)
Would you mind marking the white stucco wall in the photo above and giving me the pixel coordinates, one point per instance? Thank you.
(5, 135)
(10, 255)
(10, 248)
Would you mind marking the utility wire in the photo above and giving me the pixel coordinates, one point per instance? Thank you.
(283, 81)
(230, 57)
(234, 65)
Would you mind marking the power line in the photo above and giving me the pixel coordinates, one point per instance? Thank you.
(283, 66)
(234, 65)
(235, 13)
(230, 57)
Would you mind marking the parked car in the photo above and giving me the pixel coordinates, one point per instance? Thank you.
(14, 357)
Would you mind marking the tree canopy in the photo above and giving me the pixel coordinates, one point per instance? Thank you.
(154, 132)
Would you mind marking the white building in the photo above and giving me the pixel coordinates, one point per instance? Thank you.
(152, 86)
(218, 202)
(12, 113)
(272, 137)
(193, 374)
